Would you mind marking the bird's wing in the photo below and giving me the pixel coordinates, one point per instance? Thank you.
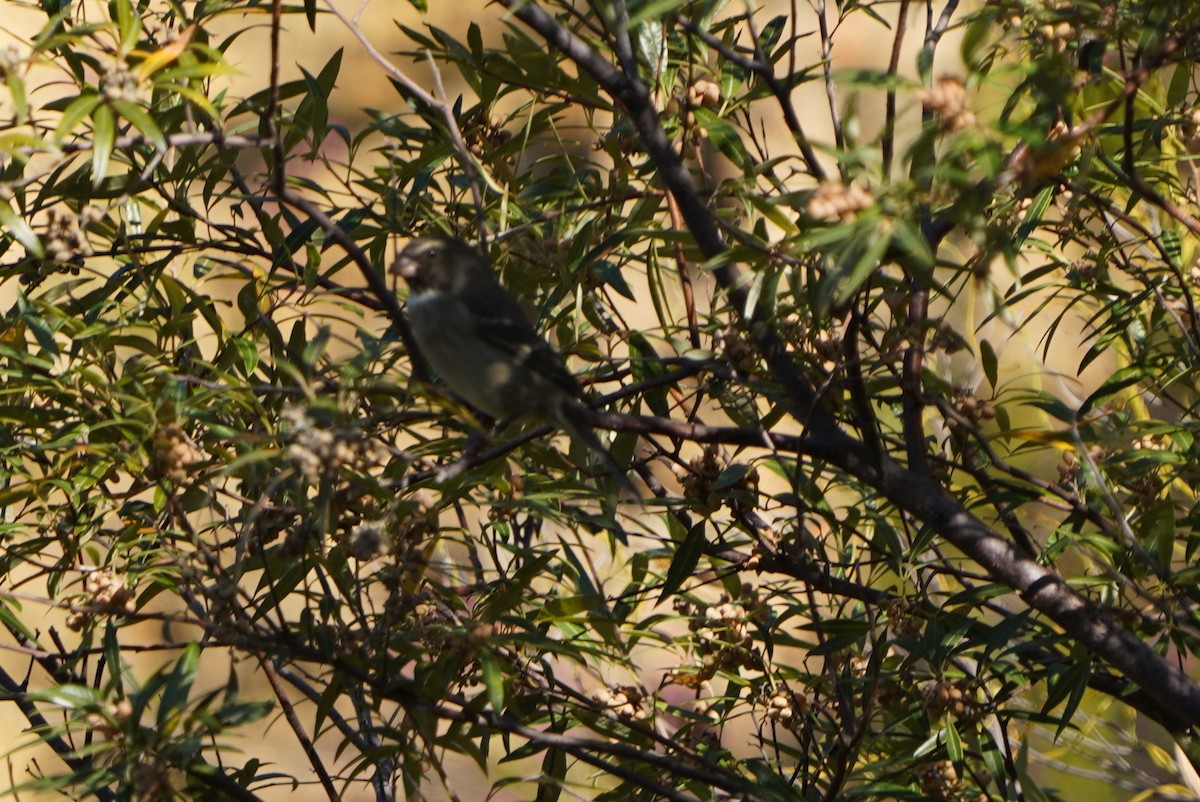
(501, 321)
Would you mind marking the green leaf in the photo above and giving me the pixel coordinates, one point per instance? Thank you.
(731, 476)
(771, 33)
(912, 250)
(1125, 377)
(1157, 527)
(178, 687)
(858, 257)
(9, 615)
(16, 226)
(1068, 685)
(954, 747)
(197, 98)
(104, 133)
(1173, 246)
(571, 606)
(725, 137)
(991, 364)
(652, 10)
(1034, 214)
(493, 679)
(71, 697)
(653, 46)
(40, 328)
(129, 24)
(610, 275)
(1181, 83)
(1053, 407)
(1032, 792)
(686, 558)
(16, 87)
(553, 776)
(248, 352)
(475, 41)
(929, 745)
(142, 121)
(73, 114)
(647, 366)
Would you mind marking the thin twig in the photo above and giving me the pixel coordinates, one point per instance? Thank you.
(887, 141)
(289, 713)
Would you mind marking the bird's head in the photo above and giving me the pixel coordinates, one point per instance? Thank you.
(433, 264)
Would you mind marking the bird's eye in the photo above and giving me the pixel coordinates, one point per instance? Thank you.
(432, 252)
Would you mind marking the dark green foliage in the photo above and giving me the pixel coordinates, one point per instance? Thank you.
(232, 498)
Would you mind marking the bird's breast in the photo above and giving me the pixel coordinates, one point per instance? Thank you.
(490, 379)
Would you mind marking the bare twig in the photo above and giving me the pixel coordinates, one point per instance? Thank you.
(887, 141)
(289, 713)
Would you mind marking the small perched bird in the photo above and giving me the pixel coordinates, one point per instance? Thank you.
(477, 338)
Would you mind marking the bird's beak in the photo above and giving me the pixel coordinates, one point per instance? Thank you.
(404, 267)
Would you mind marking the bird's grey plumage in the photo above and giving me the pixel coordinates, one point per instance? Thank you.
(476, 337)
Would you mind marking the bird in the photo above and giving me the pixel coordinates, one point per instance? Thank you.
(478, 340)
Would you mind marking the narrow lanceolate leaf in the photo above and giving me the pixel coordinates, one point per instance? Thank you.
(142, 121)
(687, 557)
(16, 87)
(15, 225)
(70, 697)
(493, 679)
(104, 133)
(128, 23)
(166, 54)
(178, 687)
(74, 114)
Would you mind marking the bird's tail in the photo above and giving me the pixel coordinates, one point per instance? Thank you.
(573, 418)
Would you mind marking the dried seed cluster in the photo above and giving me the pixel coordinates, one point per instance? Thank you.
(11, 58)
(903, 618)
(834, 200)
(111, 722)
(784, 706)
(943, 696)
(703, 93)
(947, 100)
(938, 779)
(1068, 468)
(946, 339)
(623, 702)
(738, 353)
(483, 135)
(119, 83)
(723, 637)
(970, 407)
(317, 452)
(1189, 132)
(699, 94)
(1058, 35)
(699, 480)
(366, 541)
(174, 453)
(64, 239)
(104, 593)
(1152, 442)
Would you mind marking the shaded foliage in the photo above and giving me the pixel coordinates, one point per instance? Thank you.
(904, 361)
